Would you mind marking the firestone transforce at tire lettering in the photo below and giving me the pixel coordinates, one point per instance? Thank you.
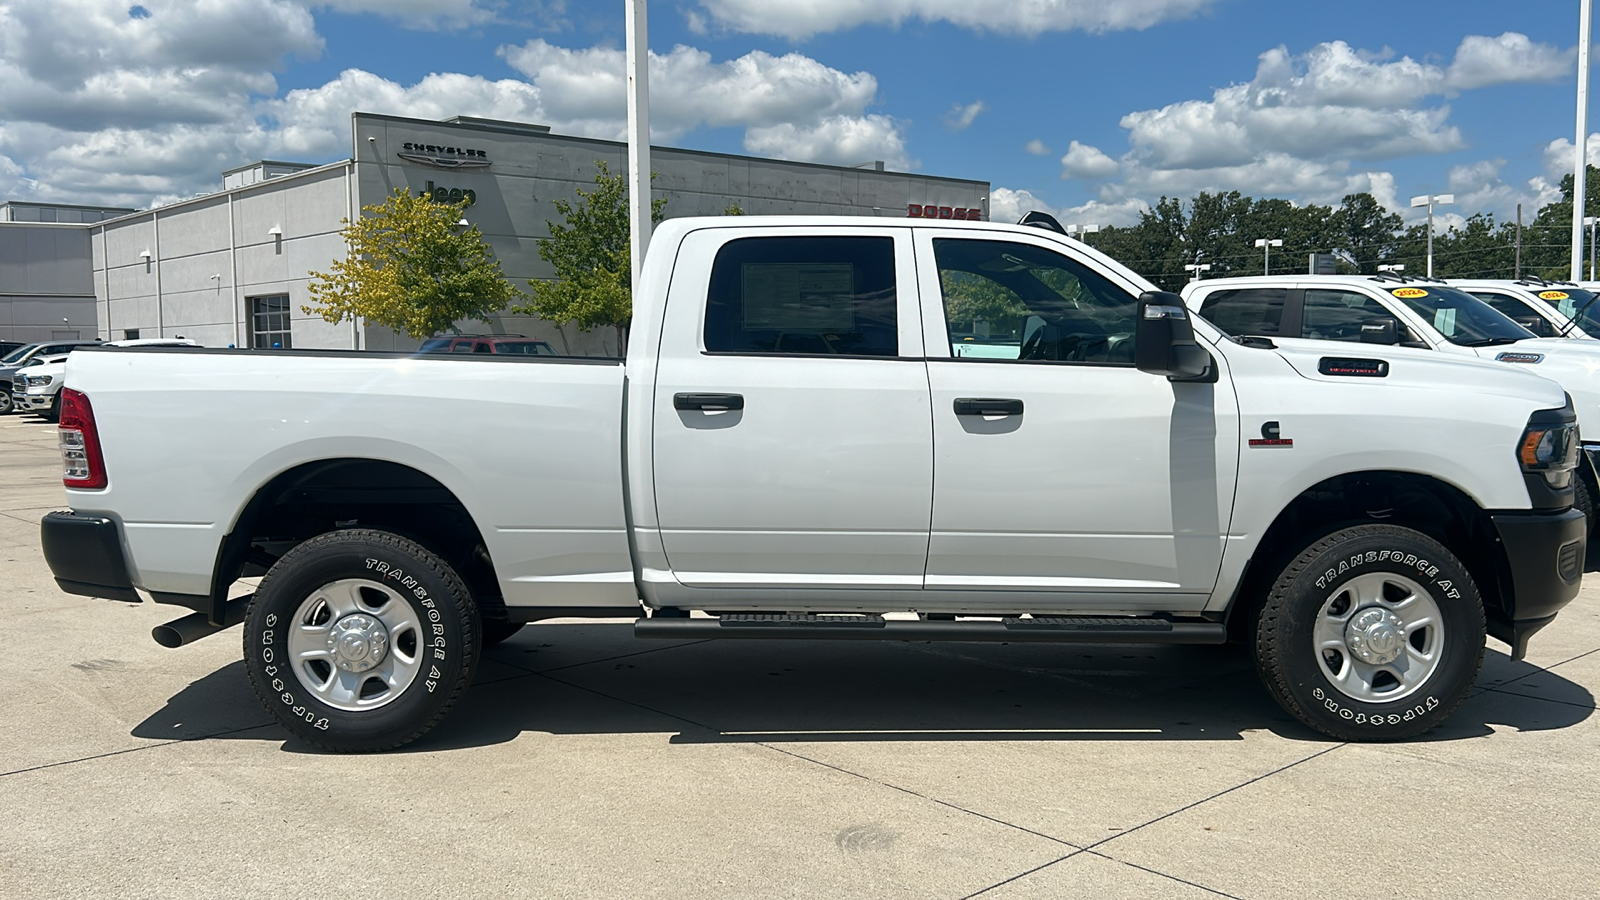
(1373, 633)
(360, 640)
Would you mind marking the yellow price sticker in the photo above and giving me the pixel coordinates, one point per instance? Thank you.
(1409, 293)
(1553, 295)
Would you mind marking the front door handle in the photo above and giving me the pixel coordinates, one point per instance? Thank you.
(987, 406)
(708, 402)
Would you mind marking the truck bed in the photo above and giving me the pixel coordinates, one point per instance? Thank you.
(529, 445)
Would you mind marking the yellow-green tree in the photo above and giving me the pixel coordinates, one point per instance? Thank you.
(593, 287)
(411, 267)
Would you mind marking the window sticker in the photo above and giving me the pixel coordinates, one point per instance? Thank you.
(1553, 295)
(1409, 293)
(1445, 321)
(798, 296)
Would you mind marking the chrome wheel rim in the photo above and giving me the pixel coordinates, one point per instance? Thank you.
(1379, 637)
(356, 644)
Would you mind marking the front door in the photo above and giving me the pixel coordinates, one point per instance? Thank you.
(1062, 470)
(793, 443)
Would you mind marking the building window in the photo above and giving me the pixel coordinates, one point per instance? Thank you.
(269, 322)
(130, 334)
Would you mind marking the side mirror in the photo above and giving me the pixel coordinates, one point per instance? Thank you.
(1380, 331)
(1536, 324)
(1164, 343)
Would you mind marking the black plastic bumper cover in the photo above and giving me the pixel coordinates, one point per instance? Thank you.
(1545, 553)
(85, 555)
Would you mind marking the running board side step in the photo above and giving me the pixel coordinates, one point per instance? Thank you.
(1049, 629)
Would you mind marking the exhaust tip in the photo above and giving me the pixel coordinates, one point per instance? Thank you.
(167, 636)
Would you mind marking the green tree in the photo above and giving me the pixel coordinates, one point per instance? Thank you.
(593, 287)
(412, 268)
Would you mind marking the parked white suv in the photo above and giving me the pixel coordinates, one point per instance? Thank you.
(37, 388)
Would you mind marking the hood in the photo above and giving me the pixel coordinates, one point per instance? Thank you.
(1320, 361)
(1575, 365)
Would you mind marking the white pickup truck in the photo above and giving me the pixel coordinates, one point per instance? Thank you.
(794, 448)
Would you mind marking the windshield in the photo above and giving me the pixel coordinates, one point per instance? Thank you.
(1572, 300)
(1462, 318)
(16, 355)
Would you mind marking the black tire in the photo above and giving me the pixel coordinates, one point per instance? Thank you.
(425, 611)
(497, 631)
(1314, 597)
(52, 413)
(5, 400)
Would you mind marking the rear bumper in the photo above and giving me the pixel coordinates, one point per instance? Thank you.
(85, 555)
(1545, 558)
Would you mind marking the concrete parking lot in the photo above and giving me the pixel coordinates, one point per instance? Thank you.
(584, 763)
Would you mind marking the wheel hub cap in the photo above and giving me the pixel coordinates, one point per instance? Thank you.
(1375, 636)
(358, 642)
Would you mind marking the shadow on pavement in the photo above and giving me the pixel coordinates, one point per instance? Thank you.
(598, 679)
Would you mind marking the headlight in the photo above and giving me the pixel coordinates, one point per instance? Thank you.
(1548, 454)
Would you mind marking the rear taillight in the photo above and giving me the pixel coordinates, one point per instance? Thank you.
(82, 466)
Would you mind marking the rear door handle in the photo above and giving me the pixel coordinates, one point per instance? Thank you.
(987, 406)
(708, 402)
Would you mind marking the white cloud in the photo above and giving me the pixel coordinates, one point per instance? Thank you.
(799, 19)
(1008, 205)
(1084, 161)
(1510, 58)
(791, 106)
(1301, 127)
(430, 14)
(840, 140)
(1037, 147)
(960, 117)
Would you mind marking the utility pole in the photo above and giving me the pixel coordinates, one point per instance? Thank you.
(638, 135)
(1518, 270)
(1580, 172)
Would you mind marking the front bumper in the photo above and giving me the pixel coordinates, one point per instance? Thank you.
(85, 555)
(1545, 559)
(32, 402)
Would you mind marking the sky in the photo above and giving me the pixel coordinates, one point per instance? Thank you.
(1091, 109)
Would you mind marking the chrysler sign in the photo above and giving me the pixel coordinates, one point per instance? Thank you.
(444, 157)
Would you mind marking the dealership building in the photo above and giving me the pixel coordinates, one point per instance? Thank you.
(46, 270)
(232, 268)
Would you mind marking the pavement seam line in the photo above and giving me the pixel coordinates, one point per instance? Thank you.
(1123, 862)
(1542, 669)
(1164, 817)
(814, 762)
(187, 740)
(1022, 875)
(1589, 706)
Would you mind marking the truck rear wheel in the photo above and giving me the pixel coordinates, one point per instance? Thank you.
(1373, 633)
(360, 640)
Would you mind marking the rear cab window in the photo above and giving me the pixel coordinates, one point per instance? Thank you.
(803, 296)
(1246, 311)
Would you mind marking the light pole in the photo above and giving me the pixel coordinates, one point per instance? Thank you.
(1396, 268)
(638, 58)
(1580, 169)
(1082, 232)
(1194, 269)
(1267, 244)
(1590, 221)
(1429, 200)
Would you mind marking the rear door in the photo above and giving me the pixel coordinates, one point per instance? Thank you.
(1063, 471)
(793, 442)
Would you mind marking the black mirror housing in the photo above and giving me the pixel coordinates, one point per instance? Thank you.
(1164, 343)
(1380, 331)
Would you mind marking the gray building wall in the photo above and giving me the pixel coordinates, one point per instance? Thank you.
(46, 289)
(208, 257)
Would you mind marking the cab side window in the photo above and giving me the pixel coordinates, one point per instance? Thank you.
(1005, 300)
(1339, 315)
(1517, 310)
(1257, 311)
(804, 296)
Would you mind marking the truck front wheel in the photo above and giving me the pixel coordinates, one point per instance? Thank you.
(360, 640)
(1373, 633)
